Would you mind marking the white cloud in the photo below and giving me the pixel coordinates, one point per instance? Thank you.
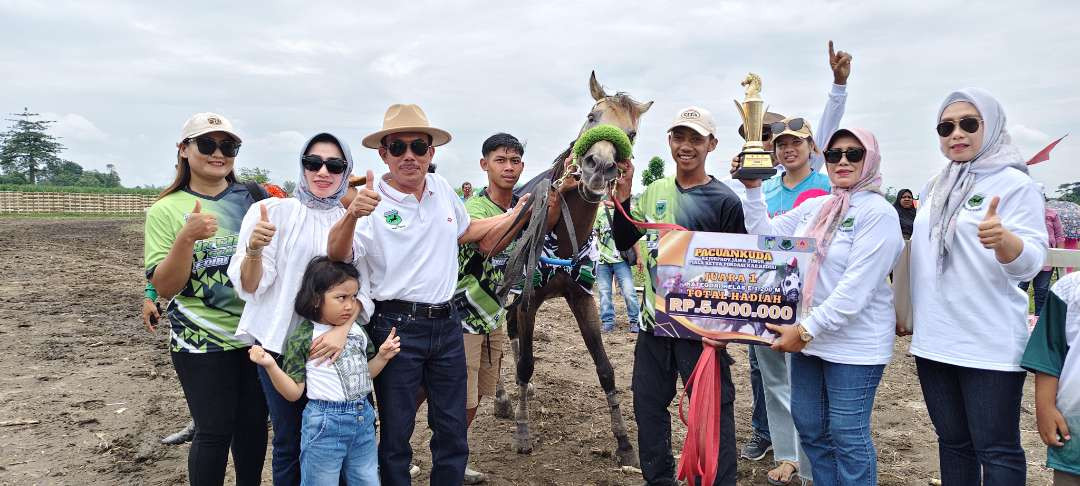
(73, 126)
(1023, 135)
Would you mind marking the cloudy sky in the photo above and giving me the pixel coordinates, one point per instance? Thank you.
(120, 78)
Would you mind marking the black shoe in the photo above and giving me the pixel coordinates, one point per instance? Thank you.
(182, 436)
(756, 449)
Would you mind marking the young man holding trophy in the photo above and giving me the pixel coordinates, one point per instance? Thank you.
(697, 201)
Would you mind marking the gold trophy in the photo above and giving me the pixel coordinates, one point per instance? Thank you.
(754, 161)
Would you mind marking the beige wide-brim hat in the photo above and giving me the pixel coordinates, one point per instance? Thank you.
(402, 118)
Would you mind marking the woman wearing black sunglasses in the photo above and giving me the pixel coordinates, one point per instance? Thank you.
(190, 236)
(280, 237)
(844, 337)
(979, 232)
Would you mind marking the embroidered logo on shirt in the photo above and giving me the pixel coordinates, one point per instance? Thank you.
(393, 218)
(848, 224)
(975, 202)
(661, 208)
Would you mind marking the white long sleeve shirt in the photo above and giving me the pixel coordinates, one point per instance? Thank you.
(830, 121)
(301, 235)
(852, 317)
(973, 314)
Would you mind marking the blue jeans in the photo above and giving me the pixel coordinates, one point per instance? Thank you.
(286, 418)
(760, 419)
(338, 440)
(976, 414)
(621, 271)
(432, 358)
(1042, 288)
(831, 405)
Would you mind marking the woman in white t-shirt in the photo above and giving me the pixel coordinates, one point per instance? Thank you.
(980, 232)
(280, 237)
(845, 336)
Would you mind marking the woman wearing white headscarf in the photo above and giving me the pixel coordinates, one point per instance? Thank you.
(280, 237)
(980, 232)
(845, 337)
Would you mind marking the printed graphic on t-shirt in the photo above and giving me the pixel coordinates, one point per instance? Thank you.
(352, 367)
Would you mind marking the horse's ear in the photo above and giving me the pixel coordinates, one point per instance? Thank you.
(595, 89)
(643, 107)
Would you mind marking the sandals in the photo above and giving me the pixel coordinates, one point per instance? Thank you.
(792, 478)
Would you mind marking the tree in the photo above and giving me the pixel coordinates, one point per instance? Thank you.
(289, 187)
(1069, 191)
(253, 174)
(64, 173)
(654, 171)
(26, 149)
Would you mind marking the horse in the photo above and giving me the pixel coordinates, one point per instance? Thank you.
(597, 172)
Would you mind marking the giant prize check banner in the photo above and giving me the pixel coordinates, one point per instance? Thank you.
(727, 286)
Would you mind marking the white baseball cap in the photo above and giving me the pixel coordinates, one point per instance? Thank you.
(203, 123)
(696, 118)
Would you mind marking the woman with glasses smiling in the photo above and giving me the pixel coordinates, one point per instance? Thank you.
(278, 238)
(190, 236)
(980, 232)
(844, 337)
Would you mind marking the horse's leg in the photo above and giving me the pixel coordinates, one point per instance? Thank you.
(504, 409)
(526, 319)
(584, 308)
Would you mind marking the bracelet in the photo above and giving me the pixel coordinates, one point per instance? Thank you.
(253, 253)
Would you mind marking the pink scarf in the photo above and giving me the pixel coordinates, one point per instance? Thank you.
(832, 212)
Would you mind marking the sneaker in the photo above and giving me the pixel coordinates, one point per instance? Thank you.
(634, 327)
(473, 476)
(756, 449)
(607, 327)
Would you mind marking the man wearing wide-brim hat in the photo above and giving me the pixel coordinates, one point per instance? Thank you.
(404, 229)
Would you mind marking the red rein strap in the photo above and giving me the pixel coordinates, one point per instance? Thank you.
(702, 446)
(639, 224)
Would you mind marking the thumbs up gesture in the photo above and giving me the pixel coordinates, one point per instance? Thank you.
(199, 225)
(366, 198)
(263, 232)
(991, 233)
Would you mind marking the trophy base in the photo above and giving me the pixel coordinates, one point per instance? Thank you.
(754, 165)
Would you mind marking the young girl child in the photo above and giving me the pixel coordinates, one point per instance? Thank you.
(338, 434)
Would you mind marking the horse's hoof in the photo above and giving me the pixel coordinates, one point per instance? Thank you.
(627, 457)
(532, 391)
(504, 408)
(522, 446)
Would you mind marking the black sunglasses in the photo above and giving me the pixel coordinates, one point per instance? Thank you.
(207, 146)
(794, 124)
(333, 165)
(418, 147)
(854, 155)
(968, 124)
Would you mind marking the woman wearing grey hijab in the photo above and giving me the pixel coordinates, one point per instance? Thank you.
(979, 232)
(279, 237)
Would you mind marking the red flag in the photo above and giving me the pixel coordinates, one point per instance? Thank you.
(1044, 154)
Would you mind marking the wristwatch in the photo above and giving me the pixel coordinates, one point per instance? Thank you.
(804, 334)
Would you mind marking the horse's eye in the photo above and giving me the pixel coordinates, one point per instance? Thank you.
(632, 136)
(592, 118)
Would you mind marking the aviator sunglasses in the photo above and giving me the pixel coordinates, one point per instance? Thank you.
(968, 124)
(418, 147)
(207, 146)
(333, 165)
(794, 124)
(854, 155)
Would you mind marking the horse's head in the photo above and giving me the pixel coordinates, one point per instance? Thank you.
(598, 169)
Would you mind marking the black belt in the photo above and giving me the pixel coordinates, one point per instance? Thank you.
(416, 309)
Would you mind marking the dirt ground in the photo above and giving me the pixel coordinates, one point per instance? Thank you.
(99, 390)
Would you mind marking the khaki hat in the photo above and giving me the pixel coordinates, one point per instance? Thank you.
(769, 118)
(203, 123)
(401, 118)
(696, 118)
(803, 131)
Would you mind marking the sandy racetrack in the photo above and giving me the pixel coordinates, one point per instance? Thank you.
(76, 360)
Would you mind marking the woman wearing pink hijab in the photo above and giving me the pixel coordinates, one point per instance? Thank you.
(845, 335)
